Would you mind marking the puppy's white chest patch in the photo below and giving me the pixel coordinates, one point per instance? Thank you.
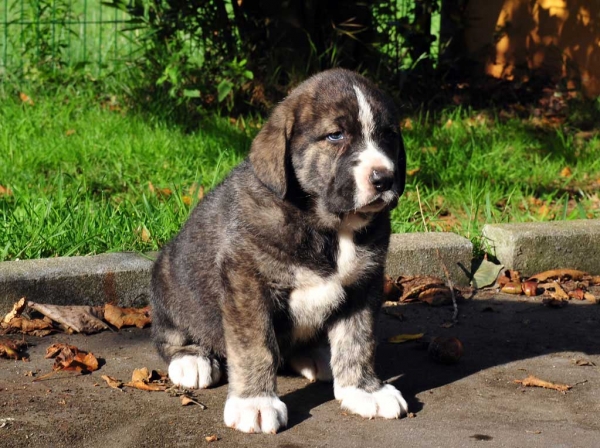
(315, 297)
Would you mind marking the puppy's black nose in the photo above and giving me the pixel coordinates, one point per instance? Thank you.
(381, 179)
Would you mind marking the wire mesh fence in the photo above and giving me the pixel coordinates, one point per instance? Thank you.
(62, 34)
(89, 36)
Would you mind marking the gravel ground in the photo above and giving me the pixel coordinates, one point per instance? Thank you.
(472, 403)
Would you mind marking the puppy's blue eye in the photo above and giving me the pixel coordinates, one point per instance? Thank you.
(335, 137)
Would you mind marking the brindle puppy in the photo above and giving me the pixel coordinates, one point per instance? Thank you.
(285, 259)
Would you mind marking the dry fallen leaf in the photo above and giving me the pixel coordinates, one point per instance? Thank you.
(400, 338)
(5, 191)
(70, 358)
(26, 98)
(143, 379)
(532, 381)
(486, 274)
(35, 327)
(142, 374)
(196, 190)
(578, 294)
(590, 297)
(566, 172)
(583, 362)
(81, 319)
(212, 438)
(572, 274)
(186, 400)
(127, 317)
(113, 382)
(559, 293)
(16, 311)
(13, 349)
(428, 289)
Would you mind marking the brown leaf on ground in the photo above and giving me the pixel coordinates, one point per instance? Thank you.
(5, 191)
(400, 338)
(143, 379)
(559, 293)
(34, 327)
(127, 317)
(149, 387)
(16, 311)
(428, 289)
(583, 362)
(196, 190)
(591, 297)
(142, 374)
(391, 292)
(81, 319)
(578, 294)
(70, 358)
(212, 438)
(187, 400)
(566, 172)
(595, 280)
(13, 349)
(113, 382)
(559, 274)
(26, 98)
(532, 381)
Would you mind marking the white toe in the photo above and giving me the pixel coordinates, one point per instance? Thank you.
(256, 414)
(386, 402)
(194, 371)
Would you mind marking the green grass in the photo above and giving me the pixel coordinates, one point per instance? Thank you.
(472, 169)
(79, 170)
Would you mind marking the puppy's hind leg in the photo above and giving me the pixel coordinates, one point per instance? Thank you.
(190, 366)
(314, 363)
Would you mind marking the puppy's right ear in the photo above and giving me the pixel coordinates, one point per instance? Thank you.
(269, 151)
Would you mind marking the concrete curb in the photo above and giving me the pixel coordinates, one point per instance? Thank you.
(124, 278)
(535, 247)
(430, 254)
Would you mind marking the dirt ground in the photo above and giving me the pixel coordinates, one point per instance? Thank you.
(472, 403)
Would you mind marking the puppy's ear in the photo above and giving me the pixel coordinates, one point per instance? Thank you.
(269, 151)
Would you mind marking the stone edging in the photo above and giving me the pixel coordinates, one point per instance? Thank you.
(124, 278)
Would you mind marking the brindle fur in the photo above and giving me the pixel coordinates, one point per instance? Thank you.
(222, 287)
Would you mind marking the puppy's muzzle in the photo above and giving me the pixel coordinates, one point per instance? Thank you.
(382, 179)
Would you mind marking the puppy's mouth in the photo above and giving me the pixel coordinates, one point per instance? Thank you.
(378, 202)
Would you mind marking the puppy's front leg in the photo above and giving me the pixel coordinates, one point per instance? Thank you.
(352, 362)
(253, 358)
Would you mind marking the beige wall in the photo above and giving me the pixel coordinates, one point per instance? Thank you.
(560, 38)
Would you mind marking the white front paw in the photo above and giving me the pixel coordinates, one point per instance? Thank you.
(386, 402)
(255, 414)
(194, 371)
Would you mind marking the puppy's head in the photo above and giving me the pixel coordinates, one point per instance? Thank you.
(337, 135)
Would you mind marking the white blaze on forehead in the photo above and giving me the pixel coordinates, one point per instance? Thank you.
(369, 158)
(365, 114)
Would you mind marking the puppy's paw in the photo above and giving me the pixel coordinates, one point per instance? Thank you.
(194, 371)
(256, 414)
(313, 365)
(387, 402)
